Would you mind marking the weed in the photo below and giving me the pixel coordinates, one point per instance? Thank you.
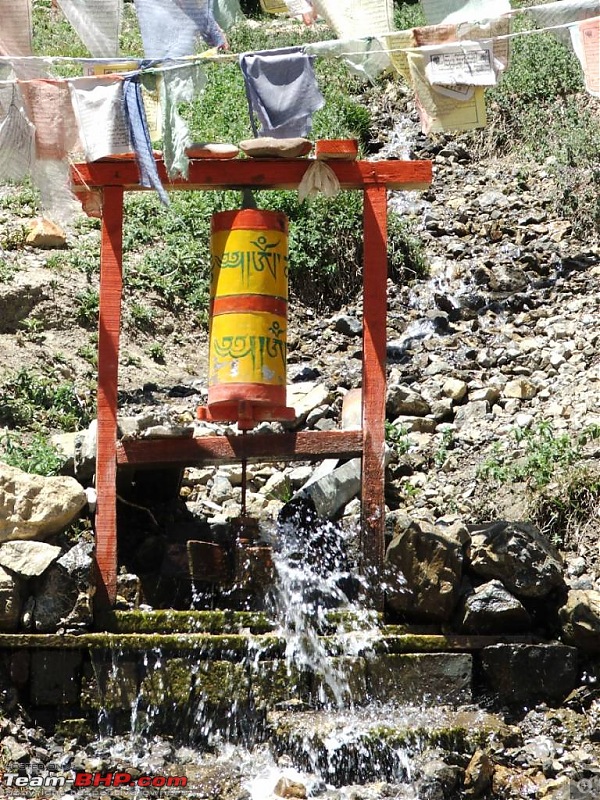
(441, 454)
(22, 201)
(129, 360)
(543, 454)
(565, 512)
(38, 456)
(14, 238)
(397, 438)
(141, 316)
(88, 307)
(89, 353)
(157, 353)
(32, 327)
(282, 491)
(32, 400)
(8, 269)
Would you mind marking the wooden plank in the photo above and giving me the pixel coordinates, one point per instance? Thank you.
(374, 385)
(257, 173)
(111, 286)
(302, 446)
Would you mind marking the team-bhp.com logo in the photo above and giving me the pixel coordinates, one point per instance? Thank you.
(46, 776)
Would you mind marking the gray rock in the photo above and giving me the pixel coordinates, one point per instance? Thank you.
(525, 674)
(492, 199)
(85, 452)
(305, 396)
(54, 599)
(26, 558)
(221, 489)
(491, 609)
(332, 491)
(402, 401)
(431, 565)
(420, 678)
(580, 620)
(35, 507)
(79, 563)
(11, 600)
(348, 326)
(518, 555)
(472, 412)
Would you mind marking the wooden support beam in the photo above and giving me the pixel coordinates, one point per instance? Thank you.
(256, 173)
(111, 286)
(374, 385)
(302, 446)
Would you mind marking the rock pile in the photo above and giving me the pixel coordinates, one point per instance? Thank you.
(42, 586)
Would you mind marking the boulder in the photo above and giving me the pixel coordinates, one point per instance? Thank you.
(431, 565)
(26, 558)
(35, 507)
(520, 388)
(527, 674)
(78, 562)
(348, 326)
(455, 389)
(580, 620)
(11, 600)
(517, 554)
(491, 609)
(402, 401)
(63, 596)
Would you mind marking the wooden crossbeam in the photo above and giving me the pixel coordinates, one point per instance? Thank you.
(257, 173)
(302, 446)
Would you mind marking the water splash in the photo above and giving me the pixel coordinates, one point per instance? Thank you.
(318, 601)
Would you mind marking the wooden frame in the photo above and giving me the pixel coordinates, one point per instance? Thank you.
(114, 177)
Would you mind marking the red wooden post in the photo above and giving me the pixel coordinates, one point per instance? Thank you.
(111, 285)
(374, 383)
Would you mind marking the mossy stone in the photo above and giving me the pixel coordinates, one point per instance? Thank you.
(276, 682)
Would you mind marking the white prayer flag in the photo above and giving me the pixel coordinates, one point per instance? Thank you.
(100, 113)
(15, 27)
(17, 136)
(97, 23)
(452, 11)
(356, 19)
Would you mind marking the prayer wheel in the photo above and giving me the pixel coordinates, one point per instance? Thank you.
(248, 318)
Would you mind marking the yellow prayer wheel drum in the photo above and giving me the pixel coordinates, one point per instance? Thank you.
(248, 317)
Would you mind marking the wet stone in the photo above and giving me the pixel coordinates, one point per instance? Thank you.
(423, 678)
(525, 674)
(275, 682)
(54, 677)
(347, 682)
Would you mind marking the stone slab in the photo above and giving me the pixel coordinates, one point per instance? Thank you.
(421, 678)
